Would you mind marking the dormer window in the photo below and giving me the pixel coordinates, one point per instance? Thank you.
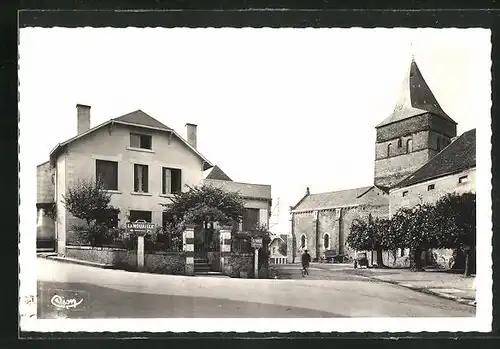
(140, 141)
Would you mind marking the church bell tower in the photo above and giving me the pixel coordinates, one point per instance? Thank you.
(413, 133)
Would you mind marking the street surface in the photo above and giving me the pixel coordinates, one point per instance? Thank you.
(326, 292)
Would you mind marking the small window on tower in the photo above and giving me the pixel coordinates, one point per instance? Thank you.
(389, 147)
(409, 146)
(400, 143)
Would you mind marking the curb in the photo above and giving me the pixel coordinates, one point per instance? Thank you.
(424, 290)
(77, 261)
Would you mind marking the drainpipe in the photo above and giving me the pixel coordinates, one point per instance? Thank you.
(316, 227)
(294, 244)
(341, 233)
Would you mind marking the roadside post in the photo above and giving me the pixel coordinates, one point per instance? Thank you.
(256, 244)
(140, 228)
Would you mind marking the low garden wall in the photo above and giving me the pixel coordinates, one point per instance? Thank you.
(154, 262)
(239, 265)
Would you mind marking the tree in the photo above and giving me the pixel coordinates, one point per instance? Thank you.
(360, 238)
(455, 222)
(416, 227)
(204, 205)
(88, 200)
(369, 235)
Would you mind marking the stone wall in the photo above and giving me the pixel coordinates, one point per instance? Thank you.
(415, 124)
(239, 265)
(424, 131)
(45, 186)
(157, 262)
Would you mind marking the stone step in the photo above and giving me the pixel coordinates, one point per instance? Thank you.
(211, 273)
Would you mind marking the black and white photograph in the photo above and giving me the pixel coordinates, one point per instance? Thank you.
(255, 179)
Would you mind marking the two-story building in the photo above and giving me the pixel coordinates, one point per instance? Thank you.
(142, 163)
(140, 160)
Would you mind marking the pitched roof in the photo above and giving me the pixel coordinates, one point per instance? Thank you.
(246, 190)
(217, 173)
(139, 117)
(459, 155)
(136, 118)
(415, 98)
(284, 237)
(332, 199)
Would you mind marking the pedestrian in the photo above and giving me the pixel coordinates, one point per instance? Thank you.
(306, 259)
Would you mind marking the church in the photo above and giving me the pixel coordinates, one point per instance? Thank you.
(418, 158)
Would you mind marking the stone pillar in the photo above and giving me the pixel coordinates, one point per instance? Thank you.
(225, 248)
(188, 247)
(140, 252)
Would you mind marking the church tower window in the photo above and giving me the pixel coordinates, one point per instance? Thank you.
(409, 146)
(389, 146)
(326, 241)
(303, 241)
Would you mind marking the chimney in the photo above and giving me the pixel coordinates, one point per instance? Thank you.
(307, 191)
(82, 118)
(191, 134)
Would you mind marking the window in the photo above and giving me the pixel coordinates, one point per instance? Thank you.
(274, 250)
(405, 193)
(389, 146)
(400, 143)
(140, 215)
(326, 241)
(431, 187)
(171, 180)
(462, 179)
(303, 241)
(402, 252)
(140, 141)
(409, 146)
(107, 172)
(140, 178)
(250, 218)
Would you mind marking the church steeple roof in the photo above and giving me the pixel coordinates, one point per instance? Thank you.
(415, 98)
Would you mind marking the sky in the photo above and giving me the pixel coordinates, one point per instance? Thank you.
(293, 108)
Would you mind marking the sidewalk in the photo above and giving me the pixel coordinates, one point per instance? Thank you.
(433, 281)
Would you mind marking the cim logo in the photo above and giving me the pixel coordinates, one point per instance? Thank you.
(68, 299)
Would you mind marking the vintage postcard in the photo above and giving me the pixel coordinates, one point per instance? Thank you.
(268, 180)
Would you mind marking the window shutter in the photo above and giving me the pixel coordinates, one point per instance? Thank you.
(145, 183)
(136, 178)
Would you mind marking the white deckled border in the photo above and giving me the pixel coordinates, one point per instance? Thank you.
(28, 273)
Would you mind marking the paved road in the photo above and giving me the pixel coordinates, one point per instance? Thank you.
(325, 293)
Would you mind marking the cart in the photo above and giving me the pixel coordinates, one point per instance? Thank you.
(360, 260)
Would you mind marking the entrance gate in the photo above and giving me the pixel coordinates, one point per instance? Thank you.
(206, 250)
